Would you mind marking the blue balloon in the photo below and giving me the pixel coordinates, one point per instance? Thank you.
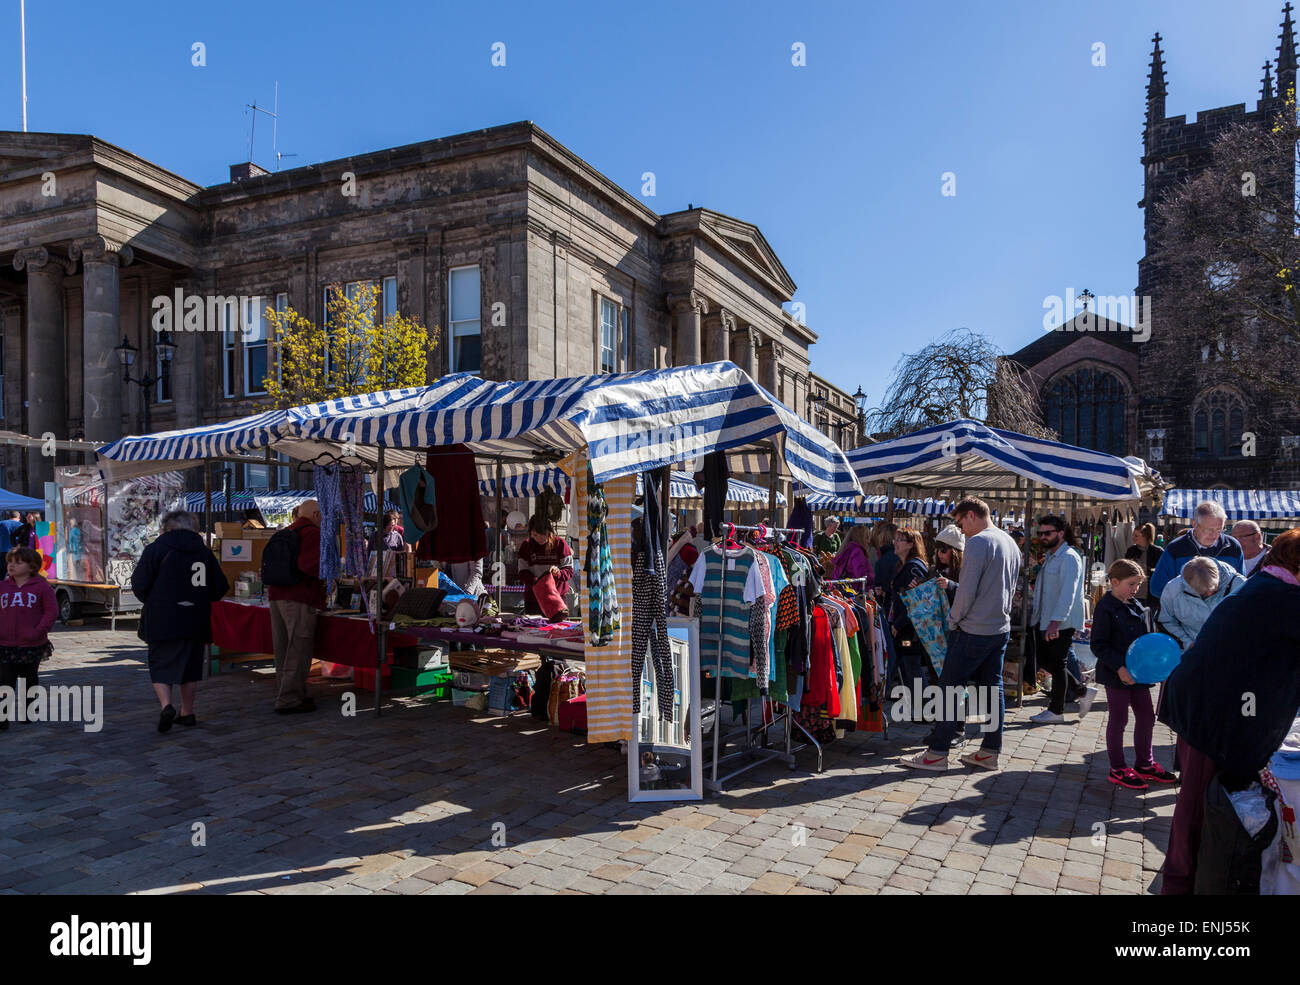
(1153, 657)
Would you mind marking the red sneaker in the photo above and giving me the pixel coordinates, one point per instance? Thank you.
(1127, 777)
(1155, 773)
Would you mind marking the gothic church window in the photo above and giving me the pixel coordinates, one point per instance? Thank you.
(1087, 407)
(1218, 422)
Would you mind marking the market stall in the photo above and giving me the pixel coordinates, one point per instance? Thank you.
(1013, 473)
(1267, 507)
(601, 431)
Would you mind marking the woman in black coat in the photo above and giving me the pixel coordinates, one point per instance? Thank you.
(1232, 699)
(177, 579)
(911, 568)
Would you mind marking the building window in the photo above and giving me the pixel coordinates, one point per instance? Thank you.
(229, 344)
(258, 477)
(163, 373)
(281, 306)
(388, 301)
(254, 347)
(463, 306)
(1087, 408)
(1218, 422)
(612, 333)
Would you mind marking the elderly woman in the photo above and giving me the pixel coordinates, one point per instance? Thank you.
(1188, 600)
(1247, 651)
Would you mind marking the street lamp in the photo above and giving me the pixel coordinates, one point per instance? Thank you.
(126, 354)
(860, 400)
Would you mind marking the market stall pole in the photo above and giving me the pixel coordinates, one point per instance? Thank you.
(1024, 599)
(499, 573)
(378, 611)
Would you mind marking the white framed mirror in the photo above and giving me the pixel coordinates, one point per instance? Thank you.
(665, 758)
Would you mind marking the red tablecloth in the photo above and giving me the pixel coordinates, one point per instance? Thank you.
(245, 628)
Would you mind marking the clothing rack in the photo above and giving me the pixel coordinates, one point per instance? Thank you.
(756, 755)
(889, 664)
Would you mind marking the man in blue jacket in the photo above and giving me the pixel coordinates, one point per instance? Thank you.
(1205, 539)
(1058, 613)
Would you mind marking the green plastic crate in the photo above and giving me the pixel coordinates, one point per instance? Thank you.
(435, 684)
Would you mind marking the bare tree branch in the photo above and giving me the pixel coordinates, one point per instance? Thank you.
(962, 375)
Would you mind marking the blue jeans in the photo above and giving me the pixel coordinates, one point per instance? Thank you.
(973, 660)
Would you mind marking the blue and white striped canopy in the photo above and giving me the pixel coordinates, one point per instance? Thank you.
(967, 455)
(1239, 504)
(681, 485)
(629, 422)
(522, 482)
(243, 499)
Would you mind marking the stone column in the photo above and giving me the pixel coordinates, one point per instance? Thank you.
(718, 326)
(688, 309)
(102, 333)
(46, 386)
(187, 358)
(744, 344)
(769, 359)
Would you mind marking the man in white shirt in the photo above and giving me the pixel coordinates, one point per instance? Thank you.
(1253, 547)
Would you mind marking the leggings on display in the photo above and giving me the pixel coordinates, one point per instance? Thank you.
(650, 631)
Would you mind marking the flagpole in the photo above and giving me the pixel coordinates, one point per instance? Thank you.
(22, 29)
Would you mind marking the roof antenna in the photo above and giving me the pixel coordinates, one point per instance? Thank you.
(275, 122)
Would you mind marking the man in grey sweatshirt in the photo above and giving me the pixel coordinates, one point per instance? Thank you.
(980, 618)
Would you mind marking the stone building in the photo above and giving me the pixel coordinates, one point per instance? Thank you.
(531, 262)
(1090, 377)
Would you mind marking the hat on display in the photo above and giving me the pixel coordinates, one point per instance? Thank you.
(952, 536)
(515, 520)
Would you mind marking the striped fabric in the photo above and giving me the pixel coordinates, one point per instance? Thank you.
(725, 612)
(630, 422)
(1239, 504)
(978, 458)
(284, 501)
(682, 486)
(609, 685)
(523, 484)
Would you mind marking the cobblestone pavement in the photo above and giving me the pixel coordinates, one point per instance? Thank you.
(409, 803)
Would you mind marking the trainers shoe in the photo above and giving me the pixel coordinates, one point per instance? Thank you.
(927, 759)
(1085, 702)
(981, 760)
(1127, 777)
(1155, 773)
(1047, 717)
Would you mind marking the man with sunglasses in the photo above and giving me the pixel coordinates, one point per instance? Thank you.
(1057, 614)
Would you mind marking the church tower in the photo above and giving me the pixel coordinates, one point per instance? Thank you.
(1201, 441)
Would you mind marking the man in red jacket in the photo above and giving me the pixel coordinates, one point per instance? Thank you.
(293, 616)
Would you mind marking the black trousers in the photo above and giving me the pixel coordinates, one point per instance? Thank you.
(1052, 655)
(11, 673)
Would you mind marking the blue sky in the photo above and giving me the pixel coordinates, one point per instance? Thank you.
(838, 162)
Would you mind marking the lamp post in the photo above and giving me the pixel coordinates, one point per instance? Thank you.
(860, 400)
(126, 353)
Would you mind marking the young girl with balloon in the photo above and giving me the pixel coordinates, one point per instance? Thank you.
(1117, 625)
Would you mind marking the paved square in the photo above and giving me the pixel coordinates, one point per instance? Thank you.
(434, 799)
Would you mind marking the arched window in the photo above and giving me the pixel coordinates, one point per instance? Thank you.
(1087, 407)
(1218, 422)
